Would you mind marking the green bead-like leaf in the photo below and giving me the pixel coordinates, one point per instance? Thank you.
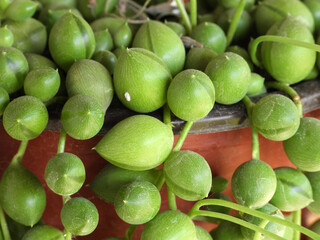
(30, 35)
(314, 7)
(55, 14)
(169, 225)
(137, 202)
(302, 148)
(230, 75)
(71, 39)
(123, 36)
(90, 78)
(6, 37)
(110, 23)
(104, 41)
(256, 85)
(139, 143)
(117, 52)
(202, 234)
(271, 11)
(188, 175)
(79, 216)
(198, 58)
(314, 179)
(107, 59)
(219, 184)
(3, 5)
(43, 232)
(211, 36)
(294, 190)
(253, 184)
(244, 25)
(191, 95)
(178, 28)
(20, 10)
(285, 62)
(109, 180)
(65, 174)
(18, 230)
(164, 42)
(25, 118)
(13, 69)
(141, 80)
(22, 195)
(82, 117)
(276, 117)
(242, 52)
(42, 83)
(38, 61)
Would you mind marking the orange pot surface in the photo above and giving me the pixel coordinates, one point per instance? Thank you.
(224, 151)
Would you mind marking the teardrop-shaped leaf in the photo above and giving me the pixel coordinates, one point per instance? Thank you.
(79, 216)
(171, 224)
(22, 195)
(141, 80)
(90, 78)
(139, 142)
(294, 190)
(20, 10)
(44, 232)
(71, 39)
(25, 118)
(164, 42)
(188, 175)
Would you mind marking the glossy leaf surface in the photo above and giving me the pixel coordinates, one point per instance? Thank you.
(139, 142)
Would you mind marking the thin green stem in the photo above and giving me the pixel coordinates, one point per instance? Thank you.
(263, 224)
(296, 220)
(62, 141)
(67, 234)
(65, 199)
(61, 146)
(171, 199)
(177, 147)
(4, 226)
(183, 136)
(167, 115)
(254, 133)
(244, 209)
(184, 16)
(160, 181)
(237, 221)
(290, 91)
(17, 158)
(130, 231)
(279, 39)
(193, 13)
(234, 22)
(141, 10)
